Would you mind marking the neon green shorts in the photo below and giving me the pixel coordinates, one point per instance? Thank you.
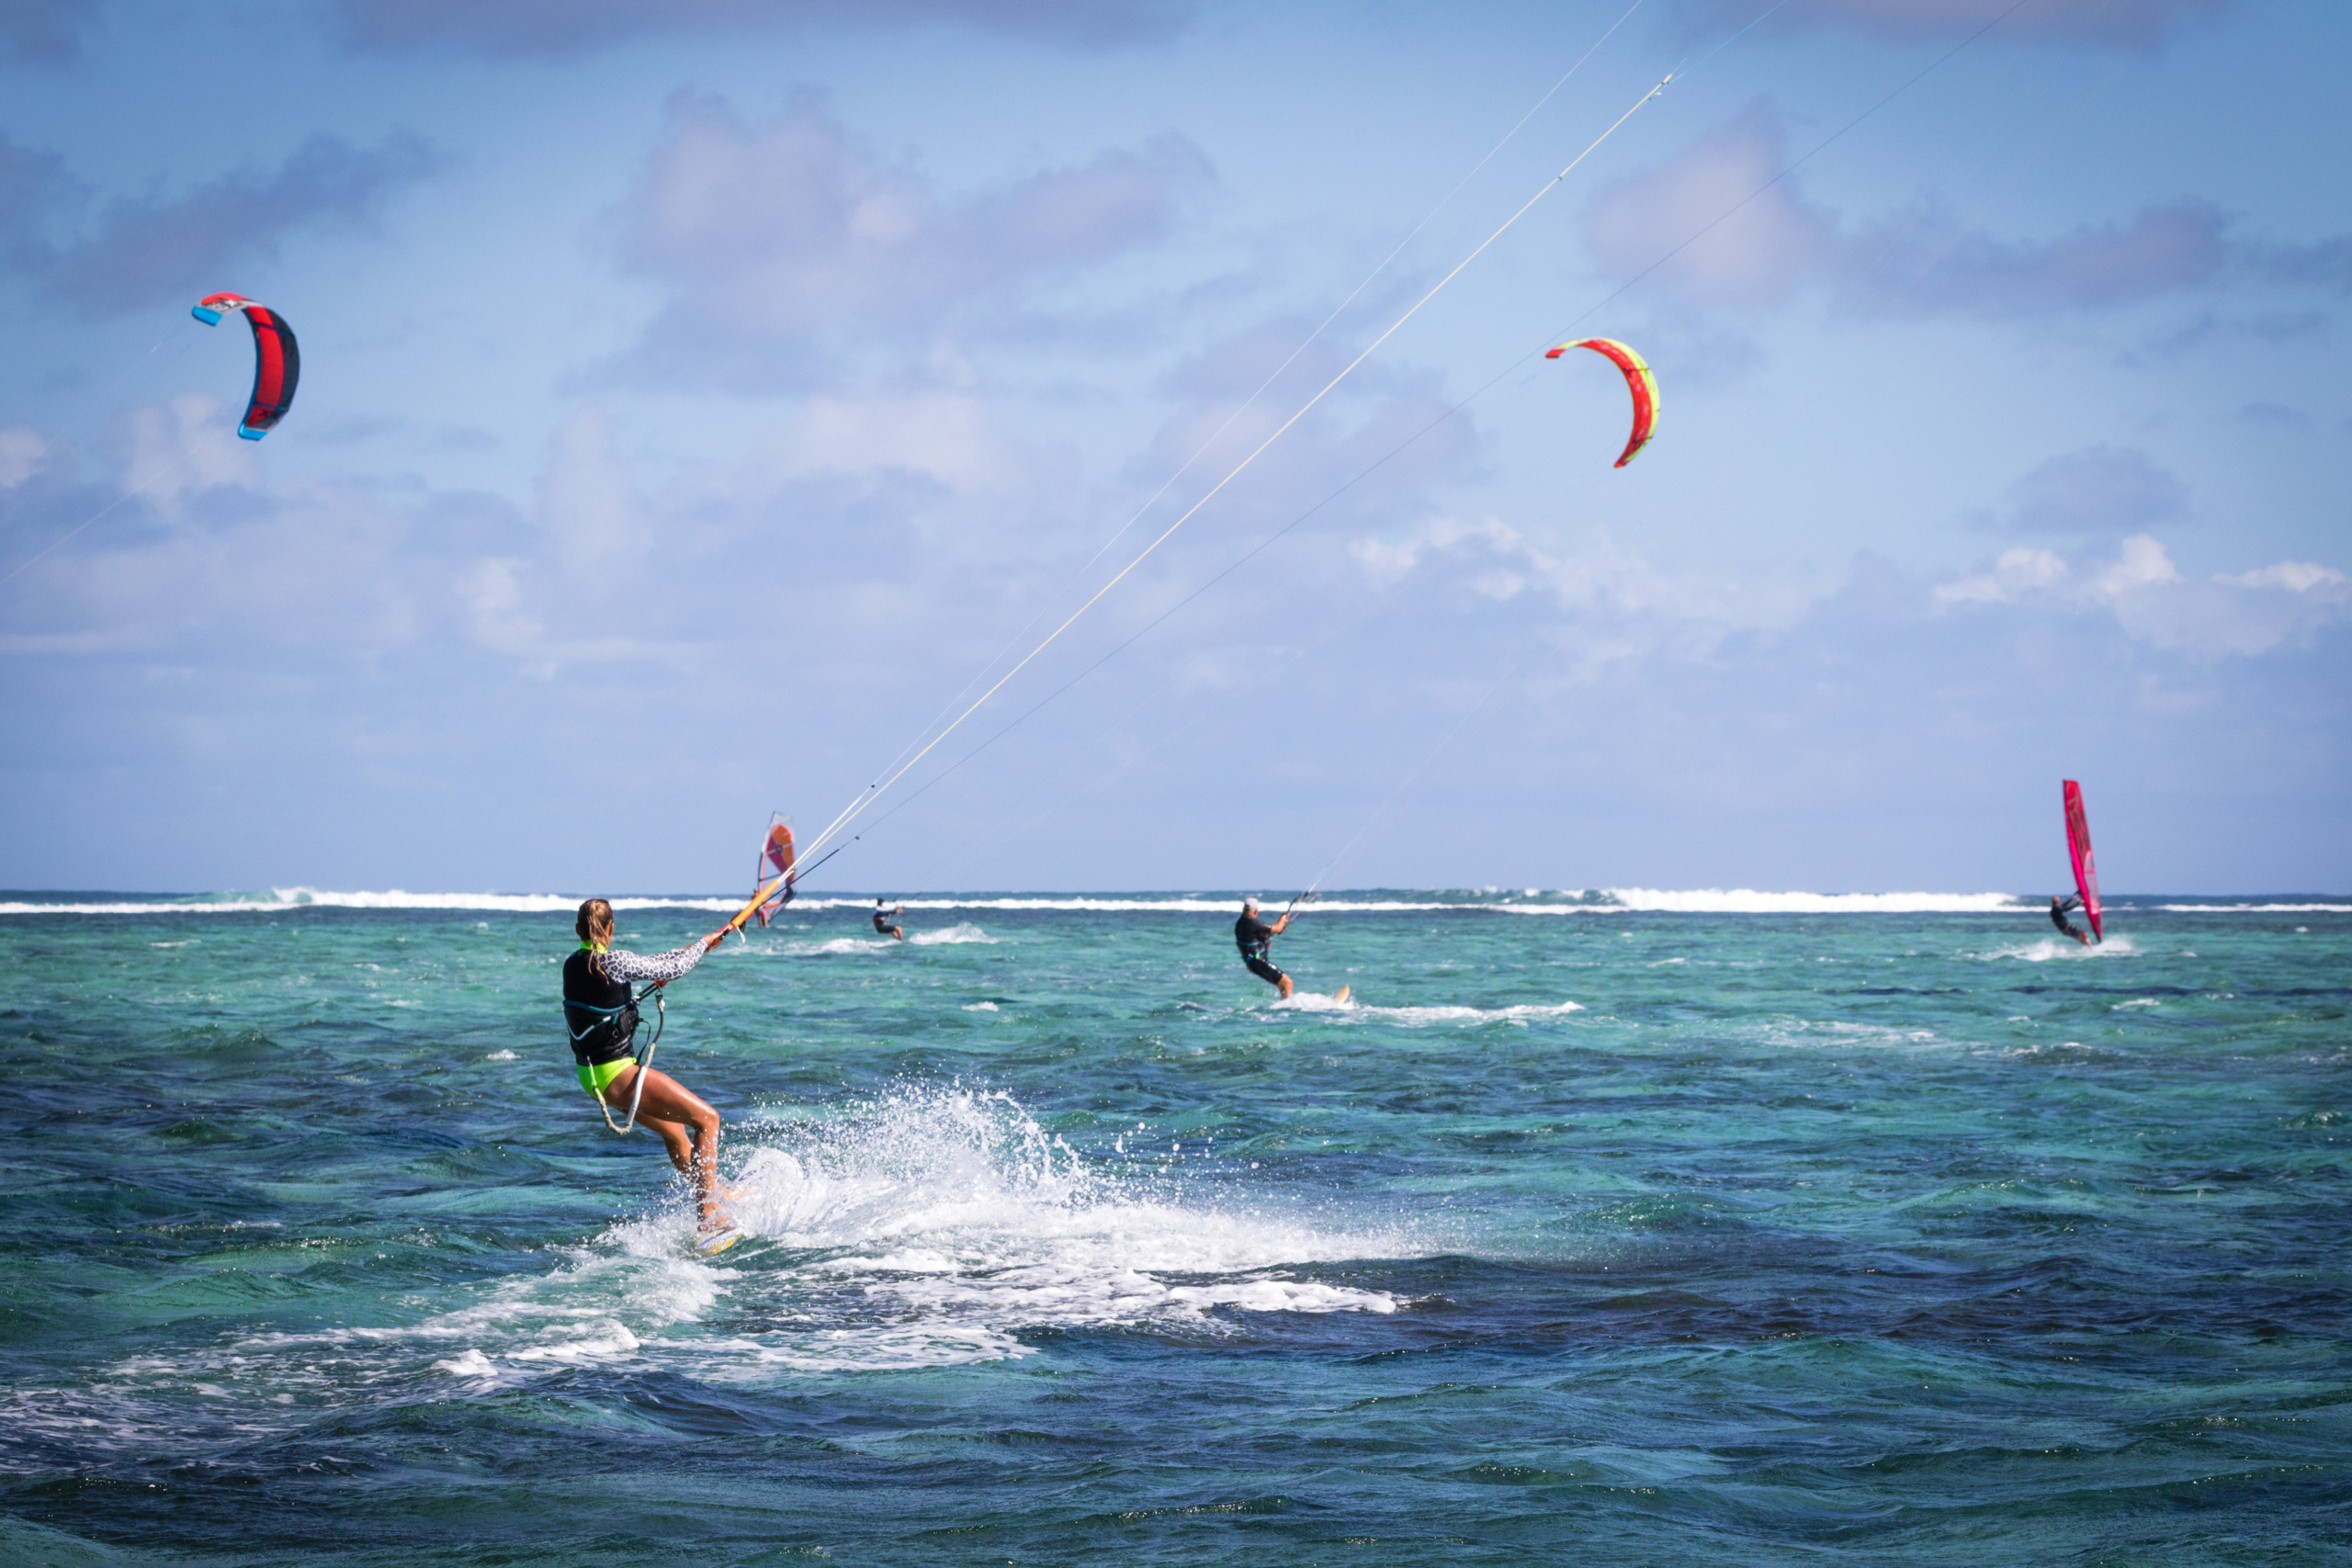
(598, 1077)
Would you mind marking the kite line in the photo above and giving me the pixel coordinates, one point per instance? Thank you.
(1473, 396)
(1243, 407)
(170, 470)
(875, 790)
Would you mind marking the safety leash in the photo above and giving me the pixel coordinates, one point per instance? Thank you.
(644, 1060)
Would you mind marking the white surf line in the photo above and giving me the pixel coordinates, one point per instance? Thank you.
(874, 792)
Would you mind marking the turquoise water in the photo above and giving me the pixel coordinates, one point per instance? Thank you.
(1598, 1230)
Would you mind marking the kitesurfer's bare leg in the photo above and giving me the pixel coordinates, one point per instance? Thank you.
(1285, 987)
(689, 1129)
(677, 1139)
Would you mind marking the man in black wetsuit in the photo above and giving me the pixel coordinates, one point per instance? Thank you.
(1255, 936)
(882, 926)
(2059, 909)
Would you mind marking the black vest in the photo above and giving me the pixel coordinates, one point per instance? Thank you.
(600, 1011)
(1253, 936)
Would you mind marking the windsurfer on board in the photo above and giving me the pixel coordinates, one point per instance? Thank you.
(882, 922)
(2059, 909)
(601, 1012)
(1255, 937)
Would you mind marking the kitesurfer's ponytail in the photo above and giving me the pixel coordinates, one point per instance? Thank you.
(595, 922)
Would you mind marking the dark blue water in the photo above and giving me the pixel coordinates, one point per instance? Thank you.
(1616, 1236)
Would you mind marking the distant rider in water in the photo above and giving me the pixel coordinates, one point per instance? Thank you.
(2059, 909)
(882, 924)
(601, 1010)
(1255, 937)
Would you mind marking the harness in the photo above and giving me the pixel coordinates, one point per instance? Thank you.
(622, 1020)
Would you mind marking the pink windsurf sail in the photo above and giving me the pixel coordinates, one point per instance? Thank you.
(2078, 848)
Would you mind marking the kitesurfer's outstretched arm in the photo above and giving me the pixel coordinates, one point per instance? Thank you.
(661, 968)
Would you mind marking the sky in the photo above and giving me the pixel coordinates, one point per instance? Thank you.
(704, 401)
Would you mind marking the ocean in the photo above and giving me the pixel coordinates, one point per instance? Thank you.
(1641, 1228)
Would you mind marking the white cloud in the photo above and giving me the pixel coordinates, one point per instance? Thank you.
(1620, 604)
(2295, 576)
(186, 445)
(1722, 222)
(588, 503)
(23, 452)
(2020, 572)
(949, 437)
(1769, 244)
(2142, 562)
(2242, 614)
(788, 246)
(491, 593)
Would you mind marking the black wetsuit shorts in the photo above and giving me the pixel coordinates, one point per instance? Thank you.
(1264, 971)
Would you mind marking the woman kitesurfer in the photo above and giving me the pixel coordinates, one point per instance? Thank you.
(2060, 909)
(601, 1012)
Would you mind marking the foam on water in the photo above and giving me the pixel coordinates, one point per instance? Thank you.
(282, 900)
(932, 1227)
(952, 1209)
(1353, 1009)
(948, 936)
(2257, 908)
(1747, 901)
(2052, 949)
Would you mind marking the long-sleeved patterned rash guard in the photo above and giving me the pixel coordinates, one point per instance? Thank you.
(667, 965)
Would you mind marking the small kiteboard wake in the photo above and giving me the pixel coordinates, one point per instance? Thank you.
(1313, 1002)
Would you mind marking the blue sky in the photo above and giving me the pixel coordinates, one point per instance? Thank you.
(697, 395)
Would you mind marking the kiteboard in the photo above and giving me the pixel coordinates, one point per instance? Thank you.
(715, 1239)
(1342, 995)
(2079, 849)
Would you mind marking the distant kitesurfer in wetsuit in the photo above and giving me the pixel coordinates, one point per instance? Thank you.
(2059, 909)
(601, 1012)
(882, 923)
(1255, 937)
